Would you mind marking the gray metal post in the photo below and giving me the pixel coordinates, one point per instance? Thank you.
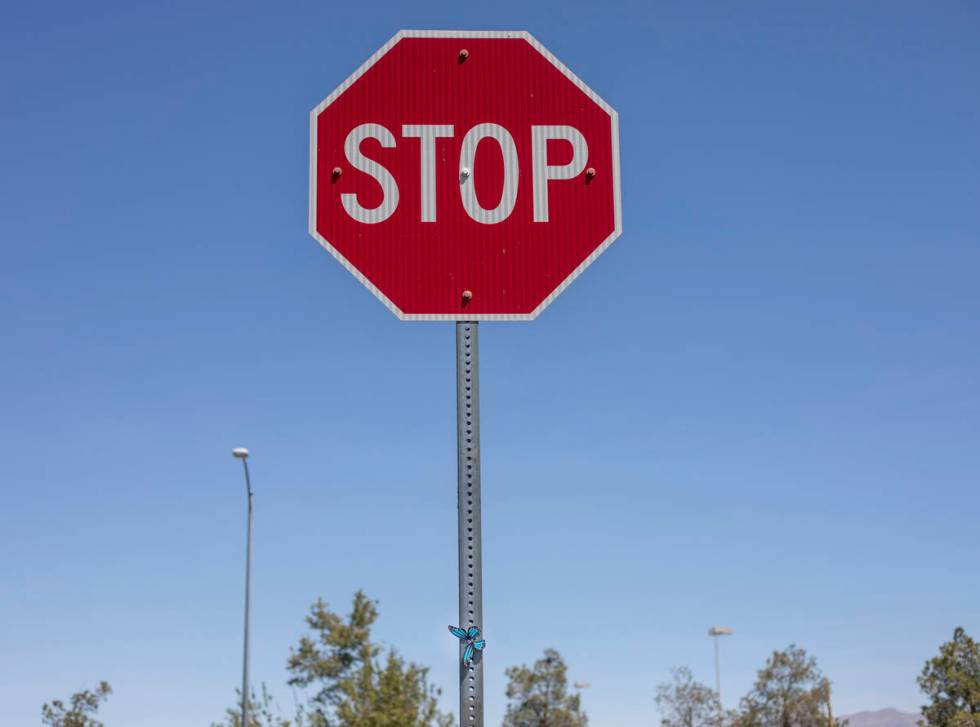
(468, 493)
(248, 596)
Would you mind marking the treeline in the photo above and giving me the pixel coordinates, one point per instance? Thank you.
(348, 680)
(791, 691)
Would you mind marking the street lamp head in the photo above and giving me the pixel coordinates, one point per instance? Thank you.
(719, 631)
(239, 453)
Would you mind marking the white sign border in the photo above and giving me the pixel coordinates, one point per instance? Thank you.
(463, 316)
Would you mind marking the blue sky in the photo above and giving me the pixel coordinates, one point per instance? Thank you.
(760, 407)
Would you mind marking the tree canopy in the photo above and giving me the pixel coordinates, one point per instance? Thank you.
(951, 681)
(684, 702)
(539, 695)
(79, 712)
(789, 691)
(353, 686)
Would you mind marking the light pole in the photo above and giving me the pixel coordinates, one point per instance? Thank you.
(715, 632)
(242, 454)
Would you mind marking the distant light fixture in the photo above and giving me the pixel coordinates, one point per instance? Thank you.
(720, 631)
(581, 685)
(239, 453)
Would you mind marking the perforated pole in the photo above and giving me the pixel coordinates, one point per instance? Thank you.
(470, 555)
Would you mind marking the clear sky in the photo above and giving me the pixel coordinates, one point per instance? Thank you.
(761, 407)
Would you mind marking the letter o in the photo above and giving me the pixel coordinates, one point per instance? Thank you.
(467, 188)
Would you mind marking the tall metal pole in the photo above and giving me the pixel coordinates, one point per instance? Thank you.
(468, 493)
(715, 632)
(717, 671)
(248, 595)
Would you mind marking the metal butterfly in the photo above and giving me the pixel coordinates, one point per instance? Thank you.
(471, 637)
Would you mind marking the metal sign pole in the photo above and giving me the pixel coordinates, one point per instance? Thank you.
(470, 555)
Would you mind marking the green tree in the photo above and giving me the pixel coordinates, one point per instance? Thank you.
(79, 712)
(789, 691)
(951, 681)
(539, 695)
(684, 702)
(353, 686)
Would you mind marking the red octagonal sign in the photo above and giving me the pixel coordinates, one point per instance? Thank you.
(464, 175)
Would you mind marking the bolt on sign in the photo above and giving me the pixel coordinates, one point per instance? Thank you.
(464, 175)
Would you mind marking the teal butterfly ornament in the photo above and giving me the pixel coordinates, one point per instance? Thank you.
(470, 637)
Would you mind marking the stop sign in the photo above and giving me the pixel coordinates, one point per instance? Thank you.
(464, 175)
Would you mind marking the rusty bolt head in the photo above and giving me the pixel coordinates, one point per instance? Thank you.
(590, 173)
(463, 55)
(336, 172)
(467, 296)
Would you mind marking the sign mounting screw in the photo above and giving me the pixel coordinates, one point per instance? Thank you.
(463, 55)
(336, 172)
(467, 296)
(590, 174)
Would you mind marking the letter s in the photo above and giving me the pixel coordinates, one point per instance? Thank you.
(389, 188)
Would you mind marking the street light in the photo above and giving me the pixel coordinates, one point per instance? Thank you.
(242, 454)
(715, 632)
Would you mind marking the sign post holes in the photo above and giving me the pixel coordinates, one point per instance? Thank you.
(465, 176)
(470, 521)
